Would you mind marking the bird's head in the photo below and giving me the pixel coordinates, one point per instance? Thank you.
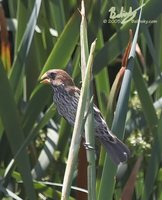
(57, 77)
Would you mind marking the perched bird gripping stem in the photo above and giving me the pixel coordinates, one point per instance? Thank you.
(66, 97)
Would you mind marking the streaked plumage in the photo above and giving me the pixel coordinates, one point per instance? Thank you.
(66, 97)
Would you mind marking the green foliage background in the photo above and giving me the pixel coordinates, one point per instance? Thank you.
(32, 133)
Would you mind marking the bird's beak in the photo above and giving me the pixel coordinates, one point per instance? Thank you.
(45, 79)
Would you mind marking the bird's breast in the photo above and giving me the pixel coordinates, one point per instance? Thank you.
(66, 104)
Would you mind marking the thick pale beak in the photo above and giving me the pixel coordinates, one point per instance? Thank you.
(45, 79)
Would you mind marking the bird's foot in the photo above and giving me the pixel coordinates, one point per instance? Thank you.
(88, 146)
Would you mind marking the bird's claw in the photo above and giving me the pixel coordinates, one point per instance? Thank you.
(88, 146)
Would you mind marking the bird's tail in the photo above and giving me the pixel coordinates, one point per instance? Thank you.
(117, 150)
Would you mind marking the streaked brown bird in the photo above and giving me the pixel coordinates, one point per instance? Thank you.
(66, 97)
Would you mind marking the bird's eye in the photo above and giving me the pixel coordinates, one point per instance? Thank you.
(52, 75)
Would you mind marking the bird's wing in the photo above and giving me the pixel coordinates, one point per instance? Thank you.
(117, 150)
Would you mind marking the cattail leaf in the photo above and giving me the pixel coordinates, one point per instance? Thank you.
(109, 170)
(114, 47)
(11, 123)
(65, 45)
(23, 49)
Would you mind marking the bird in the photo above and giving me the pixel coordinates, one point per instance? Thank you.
(66, 97)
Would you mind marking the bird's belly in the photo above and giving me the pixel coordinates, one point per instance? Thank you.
(68, 114)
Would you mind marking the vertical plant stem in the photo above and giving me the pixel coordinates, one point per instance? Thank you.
(78, 129)
(83, 41)
(89, 124)
(89, 136)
